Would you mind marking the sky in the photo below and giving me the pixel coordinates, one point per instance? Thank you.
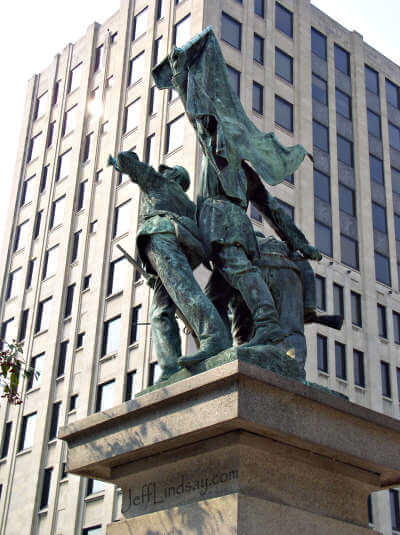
(33, 32)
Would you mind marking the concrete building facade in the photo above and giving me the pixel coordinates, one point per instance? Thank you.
(81, 311)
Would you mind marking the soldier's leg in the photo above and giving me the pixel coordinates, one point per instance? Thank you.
(165, 331)
(242, 275)
(219, 293)
(171, 265)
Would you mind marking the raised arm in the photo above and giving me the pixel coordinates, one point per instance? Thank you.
(139, 172)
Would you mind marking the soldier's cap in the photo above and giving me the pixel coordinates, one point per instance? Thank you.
(185, 183)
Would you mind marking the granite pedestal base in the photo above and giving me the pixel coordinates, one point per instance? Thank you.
(238, 450)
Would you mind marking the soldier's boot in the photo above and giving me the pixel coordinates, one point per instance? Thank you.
(334, 321)
(209, 348)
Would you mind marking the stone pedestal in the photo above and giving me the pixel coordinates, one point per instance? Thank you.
(238, 450)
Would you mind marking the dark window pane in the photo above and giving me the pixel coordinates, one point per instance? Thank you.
(69, 300)
(356, 310)
(396, 327)
(376, 169)
(130, 386)
(338, 300)
(258, 98)
(342, 60)
(111, 336)
(283, 20)
(94, 486)
(395, 509)
(320, 290)
(5, 444)
(283, 65)
(322, 186)
(340, 360)
(259, 7)
(385, 377)
(105, 396)
(382, 325)
(374, 124)
(234, 77)
(320, 136)
(371, 80)
(359, 374)
(398, 382)
(396, 180)
(323, 238)
(75, 245)
(345, 151)
(379, 217)
(154, 373)
(258, 49)
(319, 89)
(322, 353)
(135, 324)
(283, 113)
(347, 200)
(318, 43)
(36, 365)
(62, 358)
(160, 9)
(343, 104)
(394, 136)
(23, 325)
(44, 499)
(95, 530)
(231, 31)
(27, 432)
(289, 209)
(43, 178)
(349, 252)
(55, 417)
(392, 94)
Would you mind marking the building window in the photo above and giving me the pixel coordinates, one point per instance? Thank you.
(130, 385)
(175, 134)
(258, 98)
(50, 134)
(392, 94)
(136, 69)
(382, 325)
(345, 151)
(382, 268)
(41, 105)
(95, 530)
(23, 325)
(319, 89)
(385, 377)
(38, 222)
(376, 169)
(320, 291)
(21, 236)
(62, 358)
(340, 360)
(343, 104)
(374, 124)
(156, 52)
(140, 24)
(69, 123)
(347, 200)
(160, 9)
(93, 226)
(342, 60)
(69, 300)
(34, 144)
(132, 115)
(289, 209)
(6, 328)
(320, 136)
(154, 373)
(398, 382)
(111, 336)
(258, 49)
(75, 246)
(44, 499)
(394, 136)
(121, 219)
(283, 113)
(86, 147)
(27, 432)
(29, 274)
(43, 315)
(81, 195)
(255, 214)
(259, 8)
(234, 78)
(323, 238)
(55, 417)
(359, 373)
(284, 65)
(57, 212)
(94, 486)
(349, 251)
(63, 165)
(379, 217)
(395, 508)
(43, 178)
(75, 77)
(153, 100)
(370, 511)
(371, 80)
(231, 31)
(27, 190)
(182, 31)
(50, 262)
(86, 282)
(80, 340)
(98, 58)
(5, 443)
(322, 353)
(318, 43)
(356, 309)
(150, 150)
(14, 283)
(396, 327)
(322, 186)
(395, 180)
(73, 402)
(338, 300)
(135, 324)
(116, 276)
(105, 396)
(283, 20)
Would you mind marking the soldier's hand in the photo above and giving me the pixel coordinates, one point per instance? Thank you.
(311, 252)
(151, 281)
